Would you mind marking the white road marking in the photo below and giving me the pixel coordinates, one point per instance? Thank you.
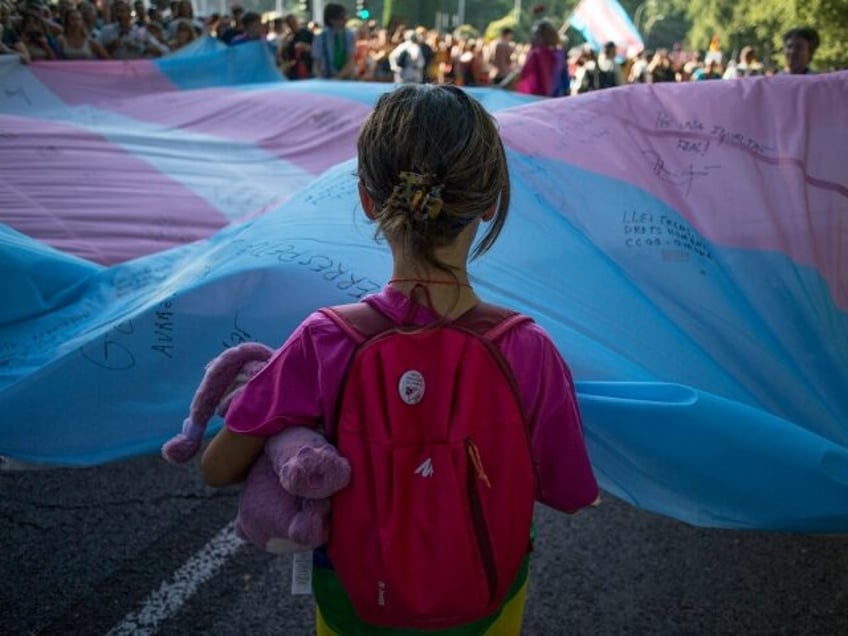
(172, 594)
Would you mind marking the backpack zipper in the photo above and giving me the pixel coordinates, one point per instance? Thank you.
(477, 473)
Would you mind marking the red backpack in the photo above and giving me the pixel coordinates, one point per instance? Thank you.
(435, 524)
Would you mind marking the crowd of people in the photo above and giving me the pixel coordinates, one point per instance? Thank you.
(354, 50)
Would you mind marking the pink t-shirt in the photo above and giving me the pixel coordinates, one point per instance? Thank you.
(300, 386)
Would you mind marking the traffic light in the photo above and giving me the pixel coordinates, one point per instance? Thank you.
(362, 11)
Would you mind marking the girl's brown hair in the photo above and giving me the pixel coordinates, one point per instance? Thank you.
(442, 134)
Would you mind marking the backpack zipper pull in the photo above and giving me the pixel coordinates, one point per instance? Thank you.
(474, 454)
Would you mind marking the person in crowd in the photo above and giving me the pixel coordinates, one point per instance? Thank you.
(585, 58)
(432, 172)
(609, 69)
(660, 68)
(184, 11)
(362, 51)
(598, 73)
(184, 34)
(154, 14)
(443, 58)
(90, 19)
(219, 24)
(210, 24)
(541, 71)
(231, 27)
(427, 52)
(639, 68)
(431, 41)
(709, 71)
(407, 60)
(799, 47)
(157, 32)
(470, 68)
(296, 51)
(334, 48)
(689, 70)
(562, 81)
(10, 39)
(139, 14)
(455, 65)
(382, 68)
(501, 56)
(252, 29)
(57, 11)
(124, 40)
(40, 44)
(50, 18)
(276, 35)
(76, 43)
(747, 66)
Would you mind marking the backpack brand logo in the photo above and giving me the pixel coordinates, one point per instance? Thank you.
(425, 468)
(411, 387)
(381, 593)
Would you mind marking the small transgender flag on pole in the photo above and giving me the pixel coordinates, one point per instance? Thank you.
(602, 21)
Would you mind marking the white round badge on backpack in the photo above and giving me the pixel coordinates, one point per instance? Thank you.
(411, 387)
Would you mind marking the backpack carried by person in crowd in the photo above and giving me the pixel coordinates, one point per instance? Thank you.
(605, 79)
(435, 524)
(595, 79)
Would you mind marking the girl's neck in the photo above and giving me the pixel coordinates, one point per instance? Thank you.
(446, 295)
(442, 278)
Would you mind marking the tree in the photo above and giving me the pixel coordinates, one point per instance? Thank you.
(762, 24)
(478, 13)
(663, 23)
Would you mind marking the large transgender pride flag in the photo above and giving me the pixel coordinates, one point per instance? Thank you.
(685, 245)
(602, 21)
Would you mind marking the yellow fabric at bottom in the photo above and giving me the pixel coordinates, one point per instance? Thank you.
(508, 623)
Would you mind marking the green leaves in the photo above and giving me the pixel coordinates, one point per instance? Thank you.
(665, 22)
(762, 25)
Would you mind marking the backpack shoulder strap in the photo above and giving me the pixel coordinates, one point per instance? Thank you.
(360, 320)
(490, 321)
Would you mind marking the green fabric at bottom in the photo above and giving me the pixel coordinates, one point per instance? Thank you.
(337, 609)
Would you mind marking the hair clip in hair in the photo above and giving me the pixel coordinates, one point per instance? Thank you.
(418, 193)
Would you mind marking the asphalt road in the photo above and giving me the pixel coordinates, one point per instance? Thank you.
(141, 547)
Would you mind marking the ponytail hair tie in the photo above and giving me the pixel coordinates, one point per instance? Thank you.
(418, 194)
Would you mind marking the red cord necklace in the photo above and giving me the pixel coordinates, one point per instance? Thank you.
(429, 281)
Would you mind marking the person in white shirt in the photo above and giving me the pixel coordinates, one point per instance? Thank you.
(407, 60)
(124, 40)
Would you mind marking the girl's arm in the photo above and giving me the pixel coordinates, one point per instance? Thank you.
(567, 482)
(285, 392)
(228, 457)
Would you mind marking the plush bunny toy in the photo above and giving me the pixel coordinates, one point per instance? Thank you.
(284, 504)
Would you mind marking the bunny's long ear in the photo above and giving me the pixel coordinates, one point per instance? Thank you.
(220, 374)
